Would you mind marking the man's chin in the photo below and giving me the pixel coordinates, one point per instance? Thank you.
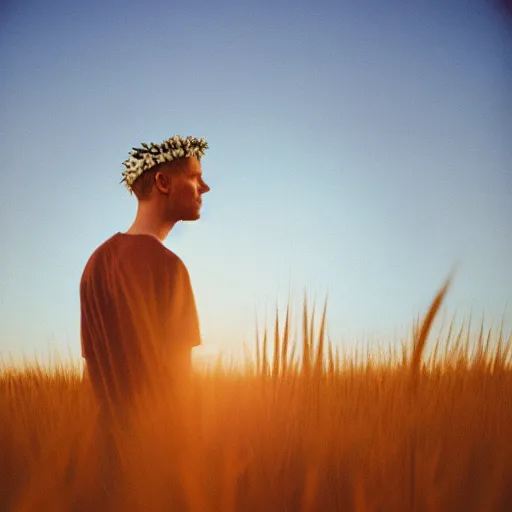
(192, 217)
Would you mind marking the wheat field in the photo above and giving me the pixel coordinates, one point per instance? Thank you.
(297, 428)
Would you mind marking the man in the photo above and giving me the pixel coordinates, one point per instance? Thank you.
(138, 314)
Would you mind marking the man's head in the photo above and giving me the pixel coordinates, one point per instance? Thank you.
(167, 178)
(173, 188)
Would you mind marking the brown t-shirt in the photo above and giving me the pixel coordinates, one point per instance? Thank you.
(138, 315)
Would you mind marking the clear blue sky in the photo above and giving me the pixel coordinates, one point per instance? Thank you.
(356, 149)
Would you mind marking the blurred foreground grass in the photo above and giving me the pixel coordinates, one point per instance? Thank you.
(285, 433)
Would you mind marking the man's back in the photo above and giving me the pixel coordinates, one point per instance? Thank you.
(138, 318)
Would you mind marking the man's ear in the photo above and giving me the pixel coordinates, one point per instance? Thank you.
(163, 182)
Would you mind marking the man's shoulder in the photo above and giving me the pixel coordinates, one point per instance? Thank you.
(142, 251)
(173, 258)
(97, 256)
(104, 246)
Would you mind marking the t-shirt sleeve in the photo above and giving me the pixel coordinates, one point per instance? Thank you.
(159, 299)
(156, 301)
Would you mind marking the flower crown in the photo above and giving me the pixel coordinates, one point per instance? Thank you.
(143, 159)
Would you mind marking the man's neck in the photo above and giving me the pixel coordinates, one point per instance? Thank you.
(132, 231)
(148, 222)
(159, 232)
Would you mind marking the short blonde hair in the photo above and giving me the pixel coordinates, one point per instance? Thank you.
(144, 184)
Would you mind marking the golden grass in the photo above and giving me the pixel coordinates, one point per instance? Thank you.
(308, 432)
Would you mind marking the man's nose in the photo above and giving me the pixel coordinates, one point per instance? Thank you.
(205, 189)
